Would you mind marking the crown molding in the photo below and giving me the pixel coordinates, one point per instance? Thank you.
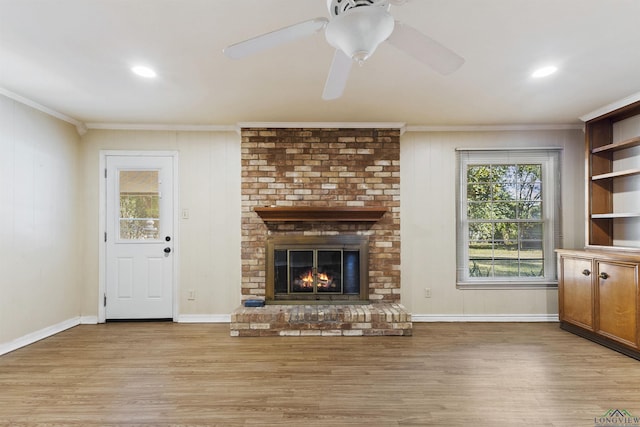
(81, 128)
(496, 128)
(162, 127)
(329, 125)
(611, 107)
(326, 125)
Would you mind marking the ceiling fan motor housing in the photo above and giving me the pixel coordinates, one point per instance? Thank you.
(359, 30)
(338, 7)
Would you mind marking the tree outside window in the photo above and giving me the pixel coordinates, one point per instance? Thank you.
(508, 217)
(504, 204)
(139, 204)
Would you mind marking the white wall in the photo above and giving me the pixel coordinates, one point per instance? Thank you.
(40, 222)
(428, 222)
(209, 187)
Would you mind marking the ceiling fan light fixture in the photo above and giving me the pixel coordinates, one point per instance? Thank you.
(359, 31)
(544, 71)
(143, 71)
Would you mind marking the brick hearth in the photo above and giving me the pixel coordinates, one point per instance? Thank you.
(321, 320)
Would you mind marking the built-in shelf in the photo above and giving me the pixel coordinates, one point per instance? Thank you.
(310, 213)
(627, 172)
(622, 145)
(616, 215)
(611, 210)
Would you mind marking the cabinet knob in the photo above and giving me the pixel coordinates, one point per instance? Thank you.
(586, 272)
(604, 275)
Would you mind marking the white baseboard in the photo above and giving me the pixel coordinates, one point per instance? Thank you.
(484, 317)
(204, 318)
(38, 335)
(226, 318)
(89, 320)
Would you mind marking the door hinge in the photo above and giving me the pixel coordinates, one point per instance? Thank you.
(105, 173)
(104, 304)
(105, 236)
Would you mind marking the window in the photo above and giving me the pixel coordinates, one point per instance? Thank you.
(139, 204)
(508, 218)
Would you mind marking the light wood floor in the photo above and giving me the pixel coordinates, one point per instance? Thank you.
(447, 374)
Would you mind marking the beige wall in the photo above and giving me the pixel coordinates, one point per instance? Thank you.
(49, 219)
(40, 222)
(209, 175)
(208, 186)
(428, 221)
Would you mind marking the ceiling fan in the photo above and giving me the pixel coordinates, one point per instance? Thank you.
(355, 28)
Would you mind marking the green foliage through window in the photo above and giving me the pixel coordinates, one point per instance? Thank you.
(505, 225)
(139, 215)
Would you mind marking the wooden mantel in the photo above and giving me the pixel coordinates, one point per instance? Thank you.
(310, 213)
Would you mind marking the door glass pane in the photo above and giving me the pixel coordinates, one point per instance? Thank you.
(329, 271)
(139, 205)
(280, 272)
(351, 272)
(301, 271)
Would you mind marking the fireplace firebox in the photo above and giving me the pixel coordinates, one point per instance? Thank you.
(317, 269)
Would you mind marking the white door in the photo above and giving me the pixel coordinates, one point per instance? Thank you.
(139, 237)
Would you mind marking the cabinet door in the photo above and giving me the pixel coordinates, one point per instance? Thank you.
(617, 301)
(576, 292)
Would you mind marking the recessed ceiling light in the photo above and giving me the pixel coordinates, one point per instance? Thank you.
(143, 71)
(544, 71)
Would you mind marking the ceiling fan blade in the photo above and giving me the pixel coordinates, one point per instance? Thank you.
(425, 49)
(338, 75)
(274, 38)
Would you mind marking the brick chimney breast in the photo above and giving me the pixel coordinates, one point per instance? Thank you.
(322, 168)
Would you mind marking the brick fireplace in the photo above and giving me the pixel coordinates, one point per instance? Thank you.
(340, 176)
(317, 269)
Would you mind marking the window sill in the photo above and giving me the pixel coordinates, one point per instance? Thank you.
(506, 285)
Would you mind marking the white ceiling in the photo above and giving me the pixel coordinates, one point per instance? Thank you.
(73, 56)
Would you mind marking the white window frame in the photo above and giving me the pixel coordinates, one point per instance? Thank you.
(549, 158)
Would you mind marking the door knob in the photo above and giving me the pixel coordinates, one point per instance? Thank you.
(167, 250)
(604, 275)
(586, 272)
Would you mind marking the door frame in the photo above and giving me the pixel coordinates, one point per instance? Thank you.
(102, 226)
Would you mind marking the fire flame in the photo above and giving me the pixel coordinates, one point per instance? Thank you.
(306, 280)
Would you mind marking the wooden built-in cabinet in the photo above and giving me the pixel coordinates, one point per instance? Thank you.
(576, 291)
(616, 289)
(599, 295)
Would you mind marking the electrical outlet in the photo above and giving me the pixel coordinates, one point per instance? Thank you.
(192, 295)
(185, 213)
(427, 292)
